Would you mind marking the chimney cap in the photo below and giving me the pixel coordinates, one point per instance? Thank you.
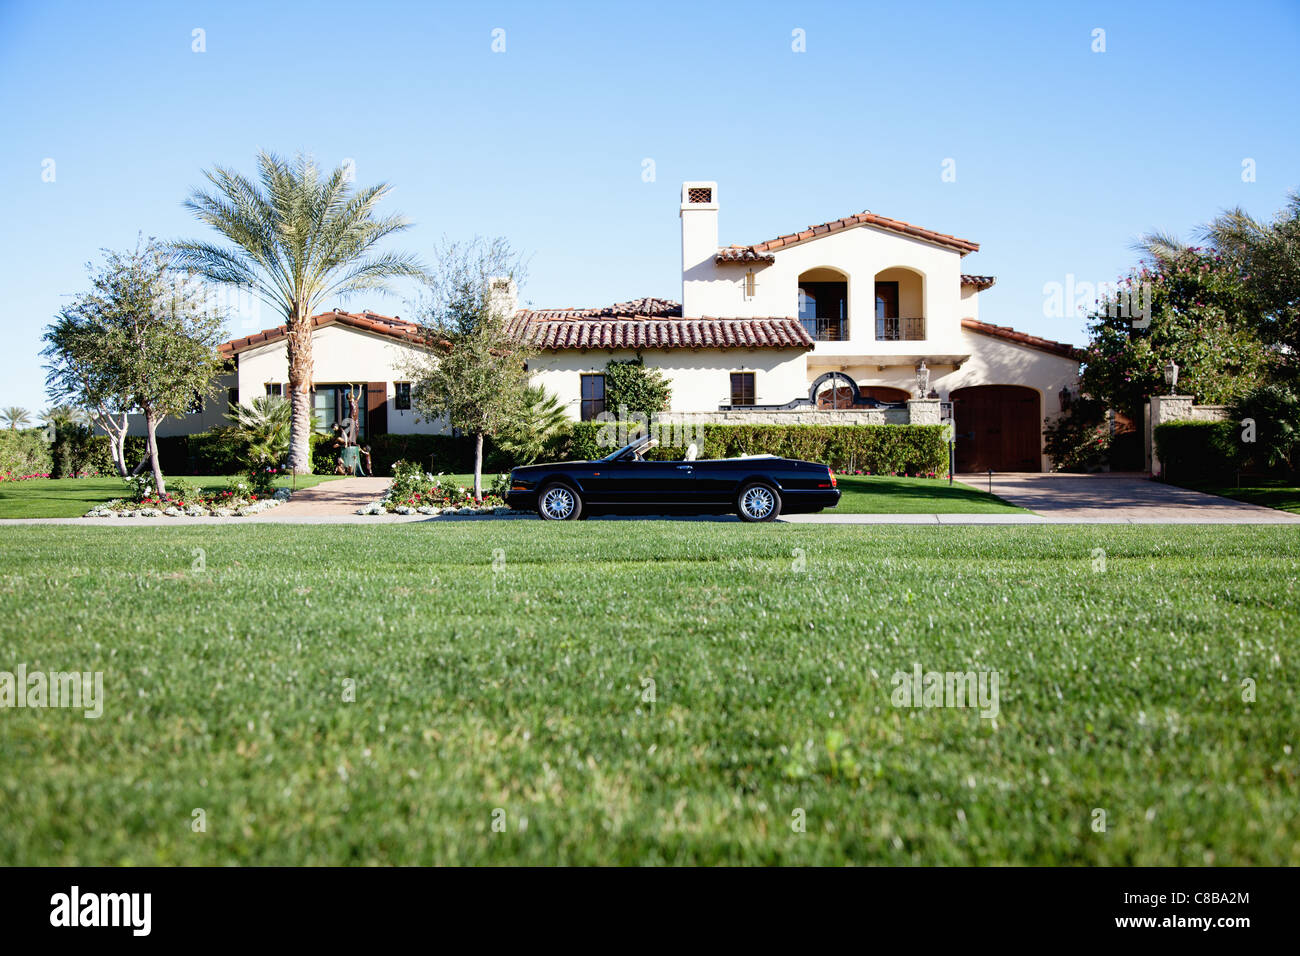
(699, 194)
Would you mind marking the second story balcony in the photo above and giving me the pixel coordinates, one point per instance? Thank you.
(825, 330)
(900, 329)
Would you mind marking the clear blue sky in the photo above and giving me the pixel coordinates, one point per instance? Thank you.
(1063, 156)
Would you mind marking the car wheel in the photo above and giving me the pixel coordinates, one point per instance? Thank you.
(559, 502)
(758, 502)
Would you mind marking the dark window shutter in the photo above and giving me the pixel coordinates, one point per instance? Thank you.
(376, 409)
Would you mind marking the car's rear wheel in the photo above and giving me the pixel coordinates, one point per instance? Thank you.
(758, 502)
(559, 502)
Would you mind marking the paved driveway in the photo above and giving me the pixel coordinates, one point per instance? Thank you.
(1121, 498)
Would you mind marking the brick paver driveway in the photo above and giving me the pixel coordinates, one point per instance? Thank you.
(1117, 498)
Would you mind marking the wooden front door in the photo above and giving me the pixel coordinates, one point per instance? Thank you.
(998, 428)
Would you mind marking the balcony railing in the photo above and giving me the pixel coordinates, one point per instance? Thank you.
(826, 330)
(900, 330)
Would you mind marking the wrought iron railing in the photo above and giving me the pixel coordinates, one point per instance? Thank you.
(900, 330)
(826, 330)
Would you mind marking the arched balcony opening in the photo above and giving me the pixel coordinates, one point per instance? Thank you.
(900, 305)
(824, 304)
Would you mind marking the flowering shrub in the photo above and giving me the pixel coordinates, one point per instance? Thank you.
(186, 500)
(11, 477)
(414, 491)
(262, 480)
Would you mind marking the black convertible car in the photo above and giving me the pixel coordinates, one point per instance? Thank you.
(756, 487)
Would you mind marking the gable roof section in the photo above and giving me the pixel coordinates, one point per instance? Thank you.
(1023, 338)
(762, 251)
(386, 325)
(652, 324)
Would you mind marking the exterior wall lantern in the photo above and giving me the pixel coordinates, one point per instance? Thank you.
(1171, 375)
(922, 380)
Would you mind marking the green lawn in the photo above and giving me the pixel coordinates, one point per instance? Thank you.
(882, 495)
(73, 497)
(1266, 492)
(506, 666)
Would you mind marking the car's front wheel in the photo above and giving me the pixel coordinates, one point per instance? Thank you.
(559, 502)
(758, 502)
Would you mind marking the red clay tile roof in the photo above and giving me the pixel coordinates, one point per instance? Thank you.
(1022, 338)
(648, 306)
(865, 218)
(652, 324)
(743, 254)
(979, 282)
(389, 325)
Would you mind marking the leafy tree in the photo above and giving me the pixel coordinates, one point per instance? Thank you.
(16, 417)
(143, 337)
(474, 374)
(296, 239)
(634, 386)
(1196, 319)
(1264, 258)
(540, 423)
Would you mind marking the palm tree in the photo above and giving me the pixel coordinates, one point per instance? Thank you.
(263, 426)
(297, 239)
(16, 417)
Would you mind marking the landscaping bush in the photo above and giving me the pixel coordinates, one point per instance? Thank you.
(78, 451)
(1275, 411)
(871, 449)
(24, 453)
(1197, 451)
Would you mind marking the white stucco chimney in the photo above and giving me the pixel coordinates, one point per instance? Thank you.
(503, 296)
(699, 212)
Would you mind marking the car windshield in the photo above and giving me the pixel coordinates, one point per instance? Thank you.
(632, 450)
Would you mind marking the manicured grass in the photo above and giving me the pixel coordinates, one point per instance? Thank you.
(882, 495)
(1264, 492)
(507, 666)
(73, 497)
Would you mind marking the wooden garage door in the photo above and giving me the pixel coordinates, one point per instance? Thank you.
(997, 427)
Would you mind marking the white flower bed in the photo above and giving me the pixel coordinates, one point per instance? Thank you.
(242, 509)
(379, 507)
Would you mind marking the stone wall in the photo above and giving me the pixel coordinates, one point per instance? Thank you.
(918, 412)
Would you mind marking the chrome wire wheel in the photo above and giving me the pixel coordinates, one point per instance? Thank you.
(558, 503)
(757, 502)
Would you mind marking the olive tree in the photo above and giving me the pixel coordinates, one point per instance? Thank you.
(142, 338)
(474, 373)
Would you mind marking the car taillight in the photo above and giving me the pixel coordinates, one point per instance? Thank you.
(832, 474)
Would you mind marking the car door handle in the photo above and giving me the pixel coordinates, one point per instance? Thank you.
(685, 467)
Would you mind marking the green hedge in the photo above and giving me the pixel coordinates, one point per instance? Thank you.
(872, 449)
(24, 452)
(1197, 451)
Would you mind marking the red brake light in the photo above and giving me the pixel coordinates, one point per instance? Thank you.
(833, 481)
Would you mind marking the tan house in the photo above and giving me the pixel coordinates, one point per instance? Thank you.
(848, 321)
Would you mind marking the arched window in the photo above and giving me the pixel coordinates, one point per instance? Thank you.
(824, 304)
(900, 305)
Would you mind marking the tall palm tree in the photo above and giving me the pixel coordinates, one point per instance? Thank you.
(297, 238)
(16, 417)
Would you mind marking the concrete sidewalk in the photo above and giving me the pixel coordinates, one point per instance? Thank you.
(328, 499)
(1120, 498)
